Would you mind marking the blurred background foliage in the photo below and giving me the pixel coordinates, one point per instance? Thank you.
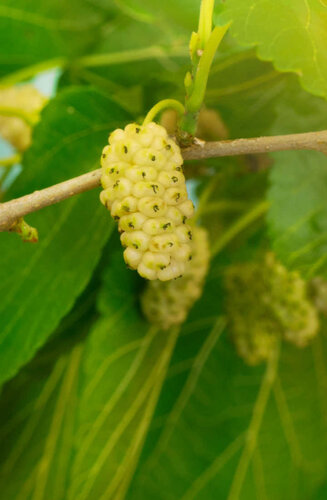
(95, 402)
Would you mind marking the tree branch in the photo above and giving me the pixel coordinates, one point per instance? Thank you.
(310, 141)
(14, 209)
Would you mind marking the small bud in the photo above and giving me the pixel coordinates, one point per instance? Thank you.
(27, 233)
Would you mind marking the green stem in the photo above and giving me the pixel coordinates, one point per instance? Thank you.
(241, 223)
(194, 102)
(205, 22)
(28, 118)
(10, 161)
(196, 84)
(160, 106)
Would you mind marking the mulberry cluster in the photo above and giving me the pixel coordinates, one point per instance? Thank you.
(25, 98)
(144, 188)
(264, 302)
(167, 304)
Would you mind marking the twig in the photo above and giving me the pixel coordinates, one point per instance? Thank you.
(311, 141)
(12, 210)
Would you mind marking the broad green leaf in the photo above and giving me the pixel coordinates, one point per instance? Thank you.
(125, 366)
(321, 495)
(235, 432)
(152, 60)
(97, 402)
(298, 191)
(124, 369)
(244, 90)
(77, 430)
(290, 33)
(34, 32)
(194, 333)
(39, 283)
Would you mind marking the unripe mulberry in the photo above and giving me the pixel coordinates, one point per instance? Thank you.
(265, 302)
(168, 304)
(291, 303)
(144, 188)
(25, 98)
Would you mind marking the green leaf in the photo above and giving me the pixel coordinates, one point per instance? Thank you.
(147, 45)
(180, 13)
(39, 283)
(120, 285)
(321, 495)
(77, 430)
(237, 432)
(291, 34)
(136, 53)
(51, 29)
(123, 375)
(298, 191)
(244, 90)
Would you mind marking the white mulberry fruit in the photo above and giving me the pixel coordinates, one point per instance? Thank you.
(144, 188)
(167, 304)
(25, 98)
(265, 302)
